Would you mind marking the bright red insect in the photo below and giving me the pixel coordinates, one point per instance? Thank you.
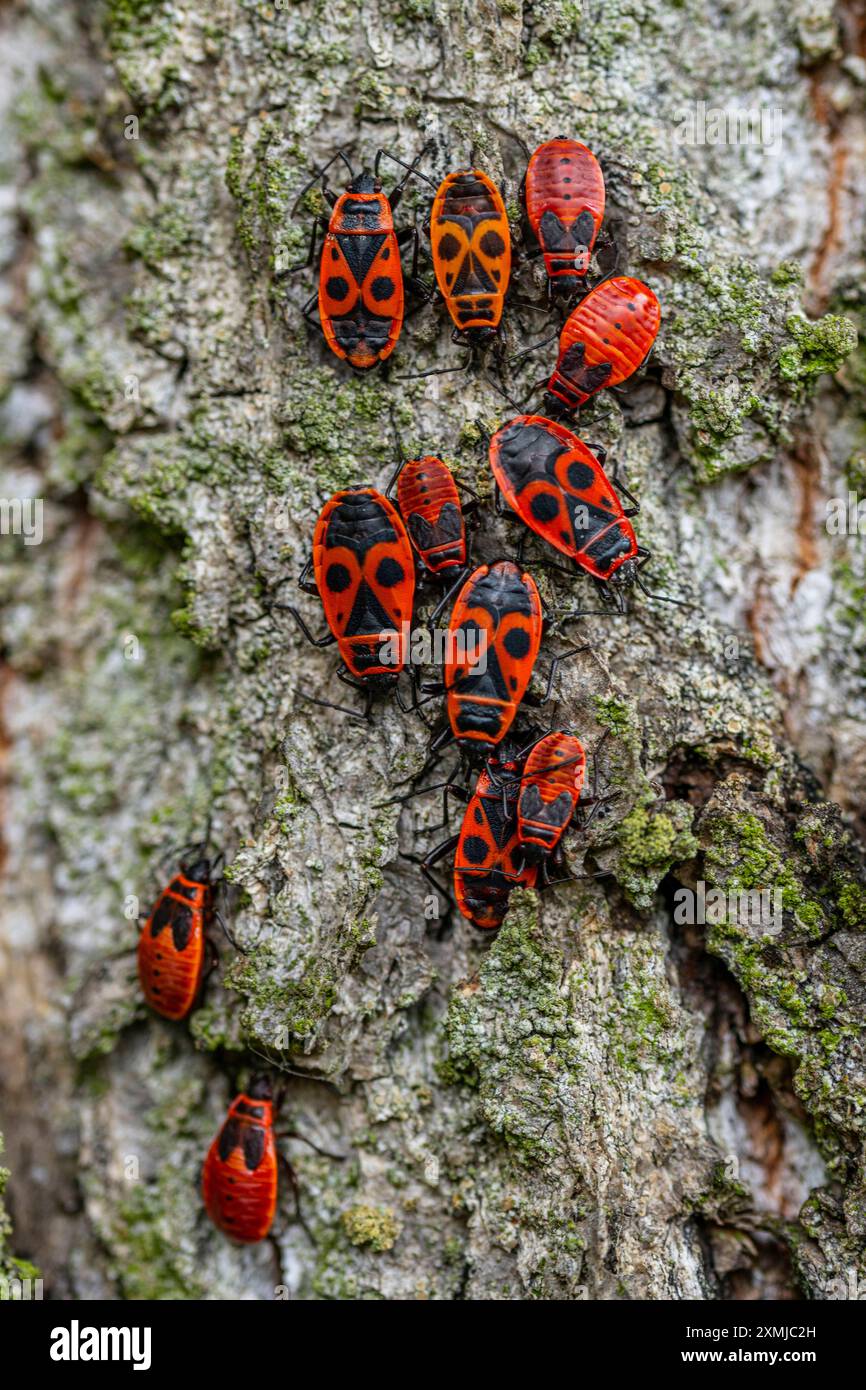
(365, 576)
(550, 787)
(559, 489)
(430, 504)
(603, 342)
(173, 941)
(563, 193)
(239, 1178)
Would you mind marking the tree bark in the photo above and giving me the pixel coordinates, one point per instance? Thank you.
(606, 1100)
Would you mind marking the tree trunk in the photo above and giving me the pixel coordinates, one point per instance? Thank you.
(607, 1100)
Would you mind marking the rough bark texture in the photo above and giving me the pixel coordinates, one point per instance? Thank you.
(599, 1103)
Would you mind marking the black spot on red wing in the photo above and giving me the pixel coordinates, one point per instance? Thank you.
(516, 643)
(584, 229)
(337, 579)
(475, 850)
(254, 1146)
(337, 287)
(544, 506)
(386, 254)
(382, 288)
(492, 244)
(335, 255)
(479, 816)
(181, 926)
(580, 475)
(389, 572)
(512, 681)
(162, 916)
(448, 247)
(230, 1137)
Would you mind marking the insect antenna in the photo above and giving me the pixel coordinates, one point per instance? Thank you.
(341, 154)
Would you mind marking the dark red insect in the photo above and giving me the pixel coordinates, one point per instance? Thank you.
(364, 573)
(239, 1178)
(361, 283)
(430, 504)
(563, 194)
(603, 342)
(471, 244)
(494, 636)
(559, 489)
(550, 786)
(174, 941)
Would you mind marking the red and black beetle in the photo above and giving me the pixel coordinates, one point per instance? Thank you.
(559, 489)
(429, 502)
(174, 942)
(486, 849)
(360, 295)
(563, 196)
(551, 782)
(493, 639)
(364, 574)
(239, 1177)
(604, 340)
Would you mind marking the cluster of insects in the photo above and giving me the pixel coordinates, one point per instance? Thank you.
(372, 550)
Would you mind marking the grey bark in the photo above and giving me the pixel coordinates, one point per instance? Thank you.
(601, 1102)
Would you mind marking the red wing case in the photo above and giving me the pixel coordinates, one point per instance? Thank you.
(559, 490)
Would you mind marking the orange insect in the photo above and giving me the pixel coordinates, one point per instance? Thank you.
(174, 940)
(471, 244)
(563, 194)
(361, 282)
(603, 342)
(498, 618)
(239, 1178)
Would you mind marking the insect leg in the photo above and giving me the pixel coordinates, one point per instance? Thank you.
(311, 251)
(307, 313)
(329, 704)
(293, 1134)
(325, 641)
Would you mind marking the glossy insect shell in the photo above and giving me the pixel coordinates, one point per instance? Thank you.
(485, 869)
(361, 279)
(430, 505)
(498, 617)
(471, 244)
(171, 947)
(239, 1178)
(549, 791)
(564, 200)
(560, 491)
(604, 340)
(365, 575)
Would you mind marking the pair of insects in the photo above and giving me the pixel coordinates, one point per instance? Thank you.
(360, 297)
(524, 801)
(364, 567)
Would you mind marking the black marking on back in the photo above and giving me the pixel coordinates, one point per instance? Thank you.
(254, 1146)
(230, 1137)
(360, 252)
(359, 522)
